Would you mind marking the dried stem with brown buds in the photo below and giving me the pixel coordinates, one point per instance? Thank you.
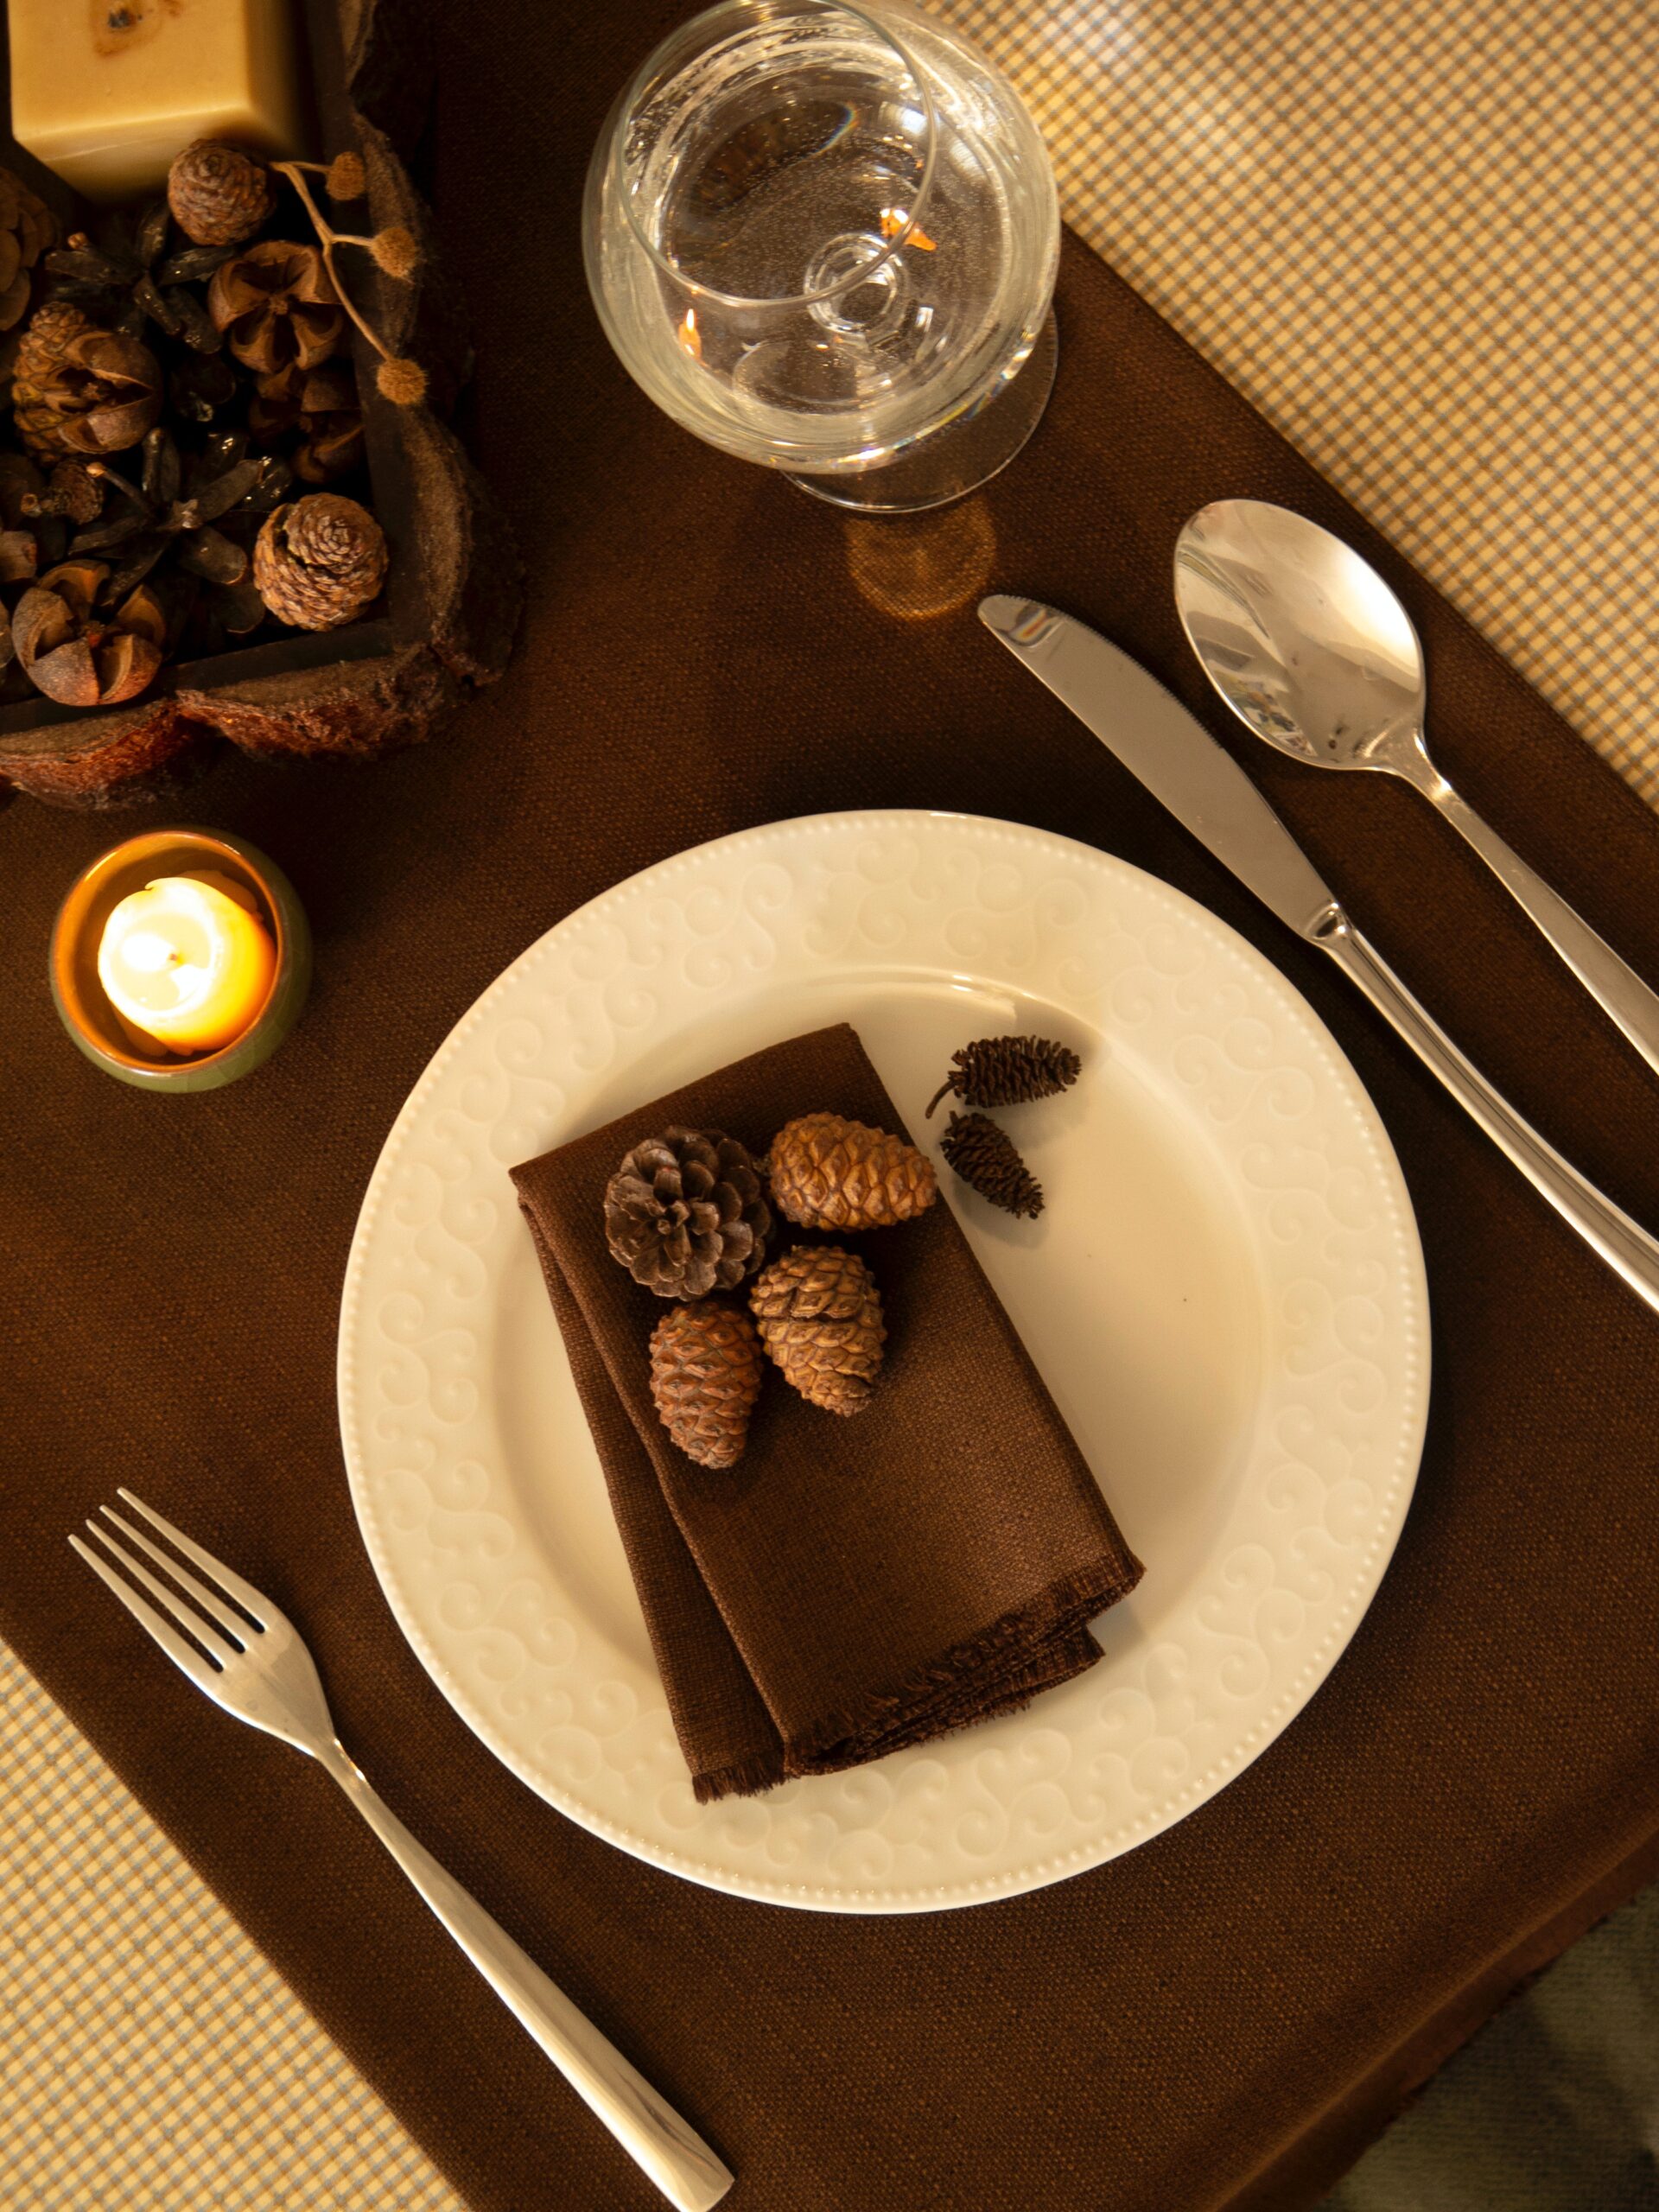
(394, 250)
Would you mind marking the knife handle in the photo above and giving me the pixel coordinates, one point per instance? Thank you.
(1625, 1246)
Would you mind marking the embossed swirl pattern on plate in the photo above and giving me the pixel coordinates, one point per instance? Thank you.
(586, 1020)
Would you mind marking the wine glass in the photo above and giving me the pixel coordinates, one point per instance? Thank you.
(825, 238)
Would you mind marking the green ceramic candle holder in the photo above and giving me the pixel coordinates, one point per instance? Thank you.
(86, 1011)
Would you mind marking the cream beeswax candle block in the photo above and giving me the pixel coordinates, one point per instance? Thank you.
(106, 91)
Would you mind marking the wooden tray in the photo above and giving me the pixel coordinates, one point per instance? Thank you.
(445, 622)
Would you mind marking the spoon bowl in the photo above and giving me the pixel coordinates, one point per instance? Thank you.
(1312, 650)
(1302, 637)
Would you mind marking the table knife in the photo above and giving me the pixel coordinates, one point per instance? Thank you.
(1181, 765)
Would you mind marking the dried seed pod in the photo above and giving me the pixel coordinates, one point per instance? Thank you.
(321, 405)
(77, 655)
(26, 231)
(275, 304)
(828, 1172)
(1008, 1071)
(219, 194)
(319, 562)
(820, 1318)
(686, 1213)
(80, 389)
(705, 1372)
(988, 1160)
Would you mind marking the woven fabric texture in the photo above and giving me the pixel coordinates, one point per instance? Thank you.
(1420, 238)
(152, 2061)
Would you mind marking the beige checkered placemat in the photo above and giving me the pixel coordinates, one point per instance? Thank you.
(1420, 235)
(149, 2059)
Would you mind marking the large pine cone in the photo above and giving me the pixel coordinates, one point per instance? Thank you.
(219, 194)
(80, 389)
(319, 560)
(1009, 1071)
(26, 231)
(686, 1213)
(827, 1173)
(706, 1372)
(820, 1317)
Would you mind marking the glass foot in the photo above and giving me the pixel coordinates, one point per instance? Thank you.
(956, 460)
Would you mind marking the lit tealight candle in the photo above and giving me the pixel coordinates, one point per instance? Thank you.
(187, 962)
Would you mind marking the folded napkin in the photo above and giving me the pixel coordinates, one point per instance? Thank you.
(855, 1583)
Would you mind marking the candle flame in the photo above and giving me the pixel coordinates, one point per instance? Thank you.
(689, 336)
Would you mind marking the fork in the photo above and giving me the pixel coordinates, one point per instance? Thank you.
(253, 1662)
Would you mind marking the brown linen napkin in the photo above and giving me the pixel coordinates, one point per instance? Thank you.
(853, 1584)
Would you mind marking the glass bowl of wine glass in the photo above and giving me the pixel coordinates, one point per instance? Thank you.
(825, 238)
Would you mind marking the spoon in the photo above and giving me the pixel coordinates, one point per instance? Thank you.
(1310, 648)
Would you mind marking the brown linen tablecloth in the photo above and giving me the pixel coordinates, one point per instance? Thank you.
(1220, 2017)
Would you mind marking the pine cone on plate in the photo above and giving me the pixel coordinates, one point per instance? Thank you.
(820, 1318)
(319, 560)
(219, 194)
(828, 1172)
(705, 1372)
(78, 656)
(1008, 1071)
(686, 1213)
(276, 303)
(988, 1160)
(26, 231)
(80, 389)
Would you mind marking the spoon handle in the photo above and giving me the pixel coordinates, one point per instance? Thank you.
(1625, 1246)
(1615, 986)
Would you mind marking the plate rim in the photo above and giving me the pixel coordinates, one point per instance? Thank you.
(1296, 1695)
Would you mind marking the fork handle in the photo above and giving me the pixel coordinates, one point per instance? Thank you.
(652, 2133)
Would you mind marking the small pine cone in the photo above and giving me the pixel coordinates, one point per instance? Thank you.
(820, 1317)
(827, 1173)
(986, 1158)
(1008, 1071)
(219, 194)
(686, 1213)
(706, 1372)
(319, 560)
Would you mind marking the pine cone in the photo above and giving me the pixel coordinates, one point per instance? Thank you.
(1008, 1071)
(706, 1372)
(686, 1213)
(80, 389)
(77, 655)
(986, 1158)
(26, 231)
(820, 1318)
(319, 560)
(827, 1173)
(219, 194)
(277, 304)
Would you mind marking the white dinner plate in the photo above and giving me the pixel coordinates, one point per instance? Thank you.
(1225, 1296)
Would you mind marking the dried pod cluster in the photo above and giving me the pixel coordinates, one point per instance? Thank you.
(1000, 1071)
(692, 1212)
(207, 329)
